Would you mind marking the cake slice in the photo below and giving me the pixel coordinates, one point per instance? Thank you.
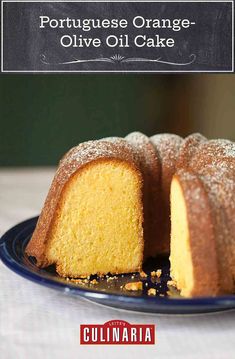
(91, 222)
(193, 257)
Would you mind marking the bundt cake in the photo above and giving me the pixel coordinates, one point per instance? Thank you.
(114, 202)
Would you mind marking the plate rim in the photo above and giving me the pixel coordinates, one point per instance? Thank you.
(225, 302)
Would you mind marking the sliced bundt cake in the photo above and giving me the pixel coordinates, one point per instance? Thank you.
(110, 203)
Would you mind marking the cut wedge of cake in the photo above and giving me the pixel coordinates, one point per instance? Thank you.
(92, 221)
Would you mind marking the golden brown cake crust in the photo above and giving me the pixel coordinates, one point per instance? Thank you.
(189, 147)
(167, 147)
(149, 162)
(215, 164)
(74, 160)
(202, 235)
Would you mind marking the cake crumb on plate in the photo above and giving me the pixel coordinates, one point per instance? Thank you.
(156, 273)
(94, 281)
(172, 283)
(134, 286)
(152, 291)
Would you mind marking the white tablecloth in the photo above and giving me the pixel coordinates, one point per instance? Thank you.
(36, 322)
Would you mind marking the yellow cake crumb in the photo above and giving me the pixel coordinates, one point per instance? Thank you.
(134, 286)
(94, 281)
(156, 273)
(74, 280)
(109, 279)
(172, 283)
(159, 273)
(77, 281)
(143, 274)
(152, 291)
(103, 218)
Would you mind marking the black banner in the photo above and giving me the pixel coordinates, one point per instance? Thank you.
(117, 36)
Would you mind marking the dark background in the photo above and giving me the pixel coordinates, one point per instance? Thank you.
(42, 116)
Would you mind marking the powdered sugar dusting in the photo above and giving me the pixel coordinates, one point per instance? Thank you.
(225, 147)
(144, 150)
(190, 146)
(168, 146)
(90, 151)
(214, 163)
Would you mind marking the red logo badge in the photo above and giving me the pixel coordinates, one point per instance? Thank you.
(117, 332)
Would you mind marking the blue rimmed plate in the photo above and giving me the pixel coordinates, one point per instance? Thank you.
(107, 291)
